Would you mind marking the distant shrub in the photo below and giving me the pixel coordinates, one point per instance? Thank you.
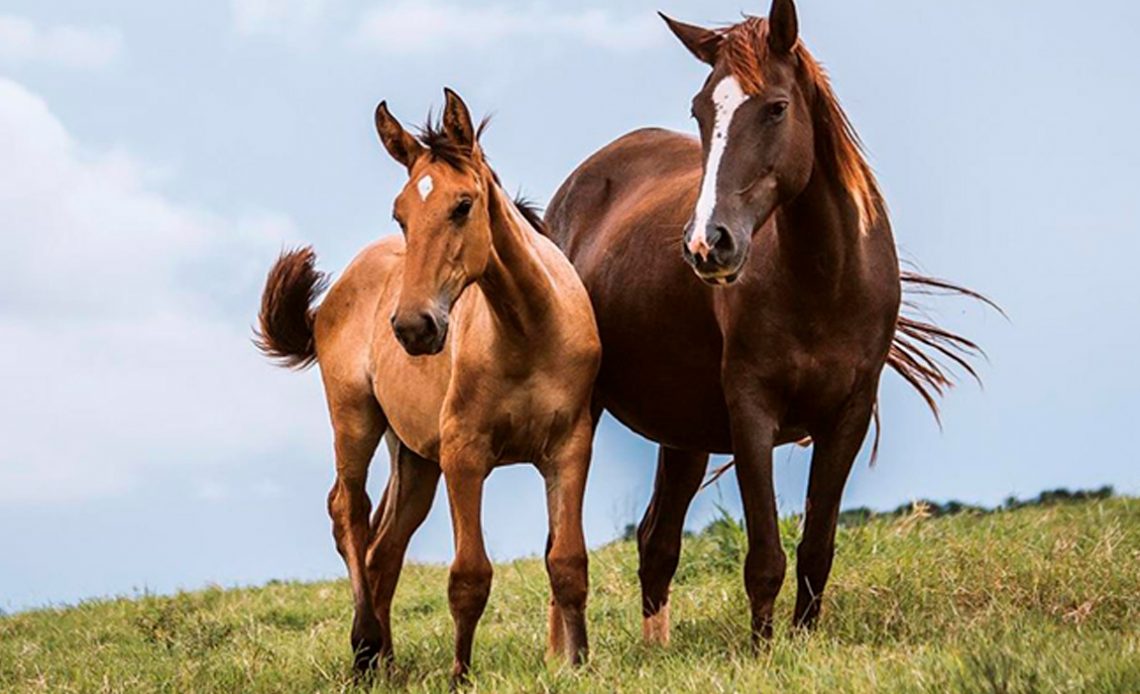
(861, 515)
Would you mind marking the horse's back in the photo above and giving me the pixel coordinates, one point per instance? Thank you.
(344, 322)
(619, 218)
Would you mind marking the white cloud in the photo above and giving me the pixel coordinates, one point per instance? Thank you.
(23, 42)
(278, 17)
(419, 26)
(124, 320)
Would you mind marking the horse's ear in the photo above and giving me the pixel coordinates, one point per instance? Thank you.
(701, 42)
(400, 144)
(457, 121)
(783, 26)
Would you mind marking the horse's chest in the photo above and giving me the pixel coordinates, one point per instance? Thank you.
(525, 417)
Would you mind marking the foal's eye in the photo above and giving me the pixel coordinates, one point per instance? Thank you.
(461, 210)
(776, 110)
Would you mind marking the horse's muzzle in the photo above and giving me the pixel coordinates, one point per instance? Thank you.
(420, 332)
(718, 259)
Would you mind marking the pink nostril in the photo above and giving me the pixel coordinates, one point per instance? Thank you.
(699, 247)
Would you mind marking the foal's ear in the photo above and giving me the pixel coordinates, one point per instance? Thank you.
(783, 26)
(701, 42)
(457, 121)
(400, 144)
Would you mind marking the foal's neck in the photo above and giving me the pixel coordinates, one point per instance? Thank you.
(518, 287)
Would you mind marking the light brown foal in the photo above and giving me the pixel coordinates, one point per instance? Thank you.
(509, 381)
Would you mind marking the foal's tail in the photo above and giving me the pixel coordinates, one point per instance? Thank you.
(285, 322)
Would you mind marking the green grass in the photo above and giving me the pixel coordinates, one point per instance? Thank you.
(1030, 600)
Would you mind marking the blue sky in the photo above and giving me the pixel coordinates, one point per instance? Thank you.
(157, 155)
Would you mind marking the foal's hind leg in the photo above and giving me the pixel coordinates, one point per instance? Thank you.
(566, 558)
(679, 475)
(831, 462)
(358, 424)
(407, 500)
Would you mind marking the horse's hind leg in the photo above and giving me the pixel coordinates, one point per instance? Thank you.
(679, 475)
(831, 462)
(358, 425)
(407, 500)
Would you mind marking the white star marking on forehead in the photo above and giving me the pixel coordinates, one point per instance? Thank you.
(424, 186)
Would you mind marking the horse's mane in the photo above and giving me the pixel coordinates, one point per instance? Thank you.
(745, 50)
(531, 212)
(442, 148)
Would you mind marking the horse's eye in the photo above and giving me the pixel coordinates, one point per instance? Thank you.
(777, 109)
(461, 210)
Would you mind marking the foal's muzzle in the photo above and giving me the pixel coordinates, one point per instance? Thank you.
(717, 258)
(420, 332)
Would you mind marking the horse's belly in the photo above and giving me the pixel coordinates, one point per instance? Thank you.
(661, 359)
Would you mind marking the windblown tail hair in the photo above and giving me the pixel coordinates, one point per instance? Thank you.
(925, 355)
(285, 323)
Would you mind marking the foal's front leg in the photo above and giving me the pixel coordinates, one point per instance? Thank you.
(566, 559)
(465, 467)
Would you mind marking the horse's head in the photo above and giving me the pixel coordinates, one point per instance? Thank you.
(442, 211)
(754, 114)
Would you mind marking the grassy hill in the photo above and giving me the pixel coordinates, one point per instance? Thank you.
(1037, 599)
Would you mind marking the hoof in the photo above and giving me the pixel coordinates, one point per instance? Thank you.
(366, 656)
(655, 628)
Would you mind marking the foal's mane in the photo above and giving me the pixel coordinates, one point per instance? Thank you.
(745, 50)
(442, 148)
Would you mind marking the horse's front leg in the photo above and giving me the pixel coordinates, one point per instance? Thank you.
(465, 467)
(754, 430)
(831, 461)
(566, 560)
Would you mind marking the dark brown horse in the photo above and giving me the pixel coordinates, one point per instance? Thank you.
(470, 342)
(779, 321)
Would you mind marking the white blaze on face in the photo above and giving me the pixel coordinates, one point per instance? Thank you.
(424, 186)
(727, 97)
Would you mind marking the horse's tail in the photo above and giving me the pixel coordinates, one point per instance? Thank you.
(285, 322)
(925, 355)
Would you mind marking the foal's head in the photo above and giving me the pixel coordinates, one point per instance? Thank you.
(761, 112)
(443, 213)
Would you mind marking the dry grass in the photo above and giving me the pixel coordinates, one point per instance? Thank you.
(1032, 600)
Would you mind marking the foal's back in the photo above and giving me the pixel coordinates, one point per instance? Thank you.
(360, 359)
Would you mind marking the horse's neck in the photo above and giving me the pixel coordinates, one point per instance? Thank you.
(516, 283)
(820, 234)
